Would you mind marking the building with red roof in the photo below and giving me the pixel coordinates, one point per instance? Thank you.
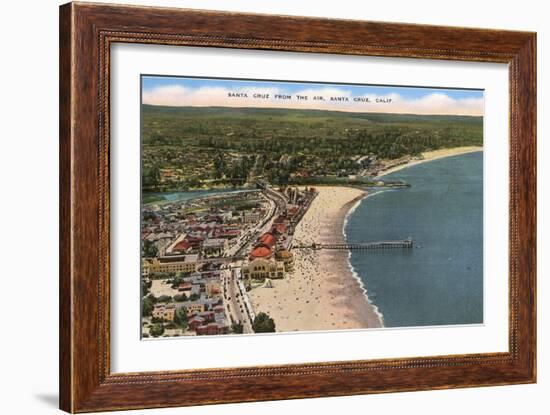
(278, 228)
(182, 246)
(261, 251)
(194, 241)
(184, 286)
(227, 233)
(268, 240)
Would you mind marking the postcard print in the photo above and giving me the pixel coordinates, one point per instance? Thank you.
(273, 207)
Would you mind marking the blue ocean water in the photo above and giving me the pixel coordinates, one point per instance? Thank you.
(440, 281)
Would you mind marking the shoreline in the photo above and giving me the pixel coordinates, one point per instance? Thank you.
(340, 299)
(433, 155)
(322, 292)
(426, 156)
(354, 273)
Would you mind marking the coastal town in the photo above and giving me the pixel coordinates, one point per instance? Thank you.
(201, 257)
(244, 210)
(248, 260)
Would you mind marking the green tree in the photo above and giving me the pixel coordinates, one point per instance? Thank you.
(152, 298)
(147, 306)
(180, 317)
(237, 328)
(180, 297)
(159, 275)
(149, 249)
(164, 299)
(194, 297)
(178, 279)
(263, 324)
(151, 177)
(156, 330)
(145, 287)
(219, 165)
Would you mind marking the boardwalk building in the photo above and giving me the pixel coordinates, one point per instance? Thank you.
(262, 268)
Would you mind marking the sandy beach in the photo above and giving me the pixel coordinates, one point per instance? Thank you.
(321, 293)
(433, 155)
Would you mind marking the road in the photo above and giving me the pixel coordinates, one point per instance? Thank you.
(236, 302)
(277, 204)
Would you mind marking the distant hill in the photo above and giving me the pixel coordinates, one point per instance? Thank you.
(189, 145)
(302, 113)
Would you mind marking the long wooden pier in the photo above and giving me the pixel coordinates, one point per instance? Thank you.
(401, 244)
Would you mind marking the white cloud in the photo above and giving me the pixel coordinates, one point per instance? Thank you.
(435, 103)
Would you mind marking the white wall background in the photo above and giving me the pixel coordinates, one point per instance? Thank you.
(29, 206)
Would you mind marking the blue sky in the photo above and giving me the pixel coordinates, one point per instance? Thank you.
(180, 91)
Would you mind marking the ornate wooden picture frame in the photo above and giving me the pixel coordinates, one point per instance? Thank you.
(87, 32)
